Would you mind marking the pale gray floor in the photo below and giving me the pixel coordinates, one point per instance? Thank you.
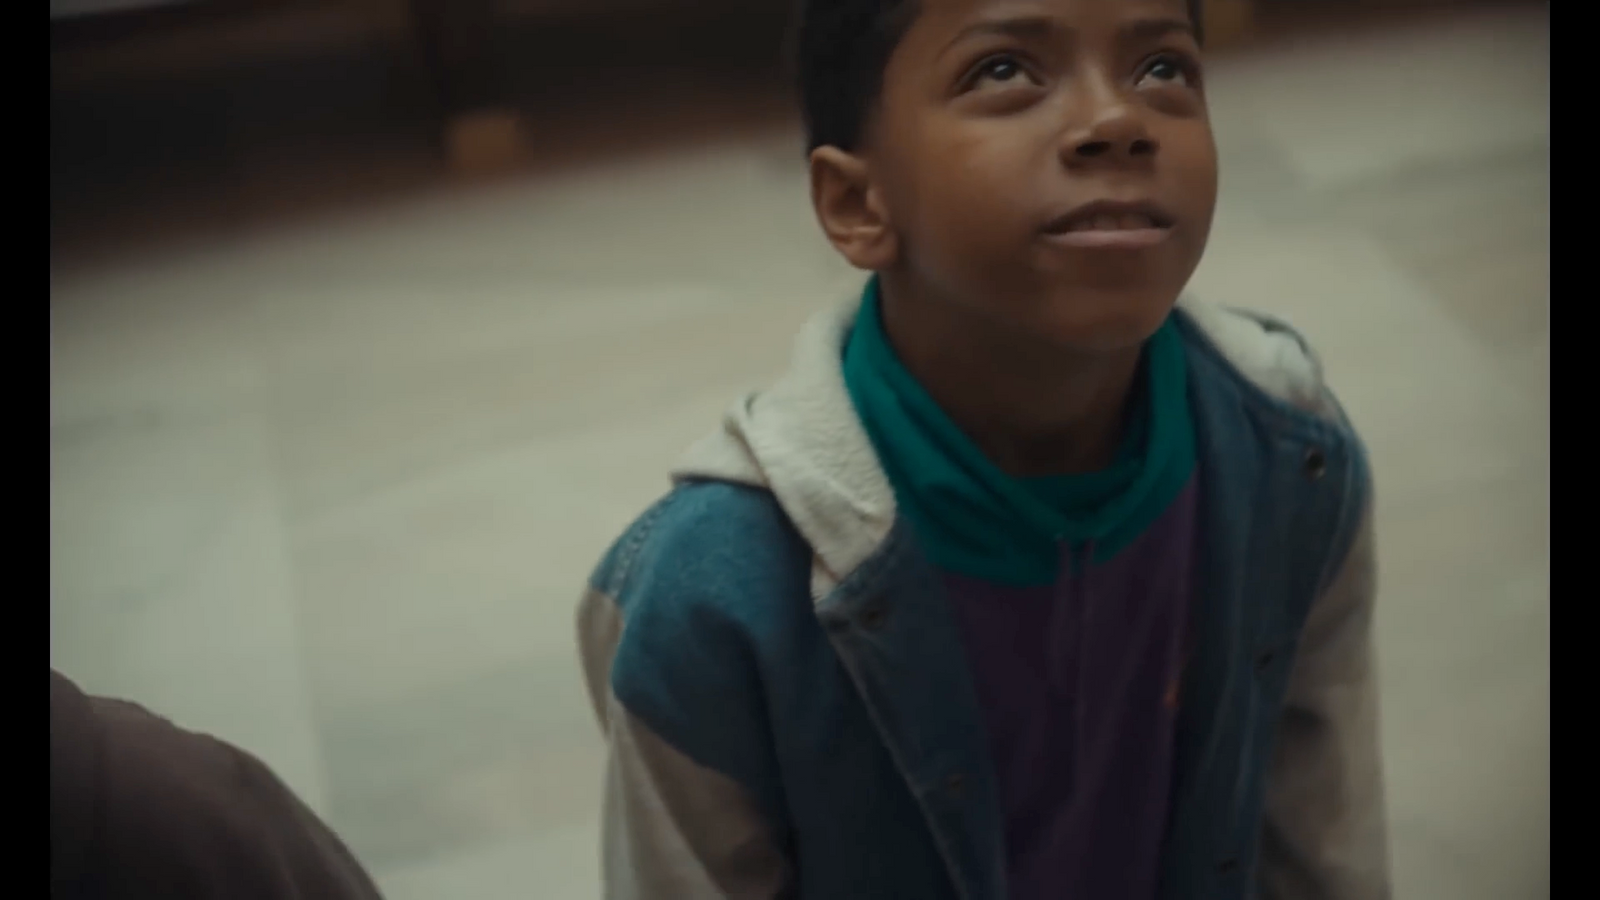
(331, 492)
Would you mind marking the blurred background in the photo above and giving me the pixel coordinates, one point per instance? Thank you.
(374, 321)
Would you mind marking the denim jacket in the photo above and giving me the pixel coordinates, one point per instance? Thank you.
(788, 707)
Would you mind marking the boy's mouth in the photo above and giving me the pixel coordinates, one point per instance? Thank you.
(1110, 225)
(1110, 215)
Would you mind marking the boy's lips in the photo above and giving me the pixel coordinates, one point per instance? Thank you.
(1110, 225)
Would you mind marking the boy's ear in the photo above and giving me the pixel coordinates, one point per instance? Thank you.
(850, 208)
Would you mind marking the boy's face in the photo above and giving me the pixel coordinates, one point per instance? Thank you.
(1049, 162)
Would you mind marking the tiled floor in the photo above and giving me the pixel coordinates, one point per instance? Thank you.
(331, 492)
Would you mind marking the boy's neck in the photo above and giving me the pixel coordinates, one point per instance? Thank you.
(1032, 407)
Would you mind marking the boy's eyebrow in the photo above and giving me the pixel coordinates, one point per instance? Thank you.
(1035, 27)
(1149, 29)
(1019, 27)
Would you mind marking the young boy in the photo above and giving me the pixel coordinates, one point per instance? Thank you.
(1025, 582)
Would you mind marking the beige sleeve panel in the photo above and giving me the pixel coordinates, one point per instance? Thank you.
(1326, 834)
(672, 828)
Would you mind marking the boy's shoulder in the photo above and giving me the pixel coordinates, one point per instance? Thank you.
(686, 610)
(704, 542)
(1266, 352)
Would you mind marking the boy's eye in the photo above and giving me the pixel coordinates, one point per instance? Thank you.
(1001, 71)
(1167, 69)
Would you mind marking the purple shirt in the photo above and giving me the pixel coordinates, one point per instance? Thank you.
(1078, 684)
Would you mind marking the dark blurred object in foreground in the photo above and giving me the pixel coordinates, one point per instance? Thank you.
(141, 808)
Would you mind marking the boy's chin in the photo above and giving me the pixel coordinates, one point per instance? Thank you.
(1103, 322)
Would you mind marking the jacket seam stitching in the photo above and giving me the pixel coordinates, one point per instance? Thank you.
(633, 543)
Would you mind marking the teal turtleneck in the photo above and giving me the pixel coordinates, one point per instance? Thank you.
(976, 520)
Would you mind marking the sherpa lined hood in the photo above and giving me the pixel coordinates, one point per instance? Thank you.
(802, 440)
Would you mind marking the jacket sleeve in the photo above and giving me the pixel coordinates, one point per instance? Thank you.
(1325, 834)
(673, 826)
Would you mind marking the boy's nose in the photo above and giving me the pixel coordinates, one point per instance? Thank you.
(1114, 131)
(1103, 148)
(1120, 135)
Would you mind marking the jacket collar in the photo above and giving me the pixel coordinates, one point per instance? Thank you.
(802, 440)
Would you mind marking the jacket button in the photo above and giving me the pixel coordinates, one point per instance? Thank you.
(1228, 867)
(873, 618)
(1316, 464)
(955, 784)
(1265, 660)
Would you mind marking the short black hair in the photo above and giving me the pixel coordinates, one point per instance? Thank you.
(840, 49)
